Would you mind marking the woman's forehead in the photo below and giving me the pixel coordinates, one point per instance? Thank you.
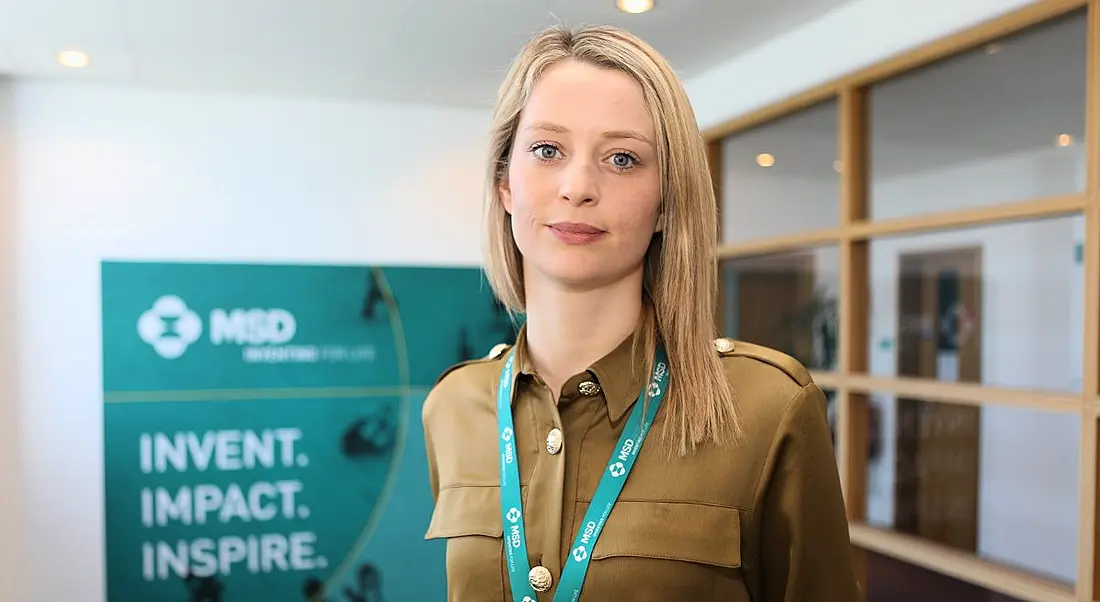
(581, 97)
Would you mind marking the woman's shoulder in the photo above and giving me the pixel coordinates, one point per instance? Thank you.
(466, 383)
(768, 385)
(743, 359)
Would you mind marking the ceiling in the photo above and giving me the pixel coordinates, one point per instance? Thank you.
(419, 51)
(1014, 96)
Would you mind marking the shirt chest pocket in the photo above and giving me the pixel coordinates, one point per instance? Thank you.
(468, 518)
(652, 550)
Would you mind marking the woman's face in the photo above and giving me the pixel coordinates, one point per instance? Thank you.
(583, 184)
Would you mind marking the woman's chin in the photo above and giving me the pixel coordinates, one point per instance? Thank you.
(578, 275)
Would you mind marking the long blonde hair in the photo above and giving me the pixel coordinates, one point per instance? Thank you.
(681, 272)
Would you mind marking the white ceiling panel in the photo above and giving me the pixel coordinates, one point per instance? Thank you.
(34, 32)
(60, 21)
(437, 51)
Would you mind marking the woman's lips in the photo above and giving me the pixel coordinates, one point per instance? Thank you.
(576, 233)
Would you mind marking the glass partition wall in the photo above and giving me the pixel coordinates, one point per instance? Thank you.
(925, 236)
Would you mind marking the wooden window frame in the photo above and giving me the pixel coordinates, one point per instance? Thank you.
(851, 381)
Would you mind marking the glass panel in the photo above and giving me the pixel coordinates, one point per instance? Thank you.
(873, 436)
(1000, 305)
(1001, 123)
(786, 301)
(780, 177)
(831, 409)
(891, 580)
(996, 481)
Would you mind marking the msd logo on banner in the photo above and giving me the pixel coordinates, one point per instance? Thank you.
(171, 327)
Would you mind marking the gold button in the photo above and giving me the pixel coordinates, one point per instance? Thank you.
(723, 345)
(554, 440)
(588, 388)
(540, 578)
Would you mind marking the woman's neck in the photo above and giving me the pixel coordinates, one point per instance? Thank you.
(568, 330)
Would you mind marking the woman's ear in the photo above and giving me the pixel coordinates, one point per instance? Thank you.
(505, 192)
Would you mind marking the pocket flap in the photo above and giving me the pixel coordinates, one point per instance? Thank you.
(672, 531)
(463, 511)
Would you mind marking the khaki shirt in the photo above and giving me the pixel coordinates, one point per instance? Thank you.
(763, 523)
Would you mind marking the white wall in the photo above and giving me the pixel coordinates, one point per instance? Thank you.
(9, 432)
(106, 172)
(759, 199)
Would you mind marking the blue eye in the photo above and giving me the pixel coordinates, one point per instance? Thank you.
(545, 152)
(624, 161)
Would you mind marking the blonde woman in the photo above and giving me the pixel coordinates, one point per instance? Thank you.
(619, 451)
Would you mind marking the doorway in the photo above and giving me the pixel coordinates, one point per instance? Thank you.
(774, 300)
(938, 444)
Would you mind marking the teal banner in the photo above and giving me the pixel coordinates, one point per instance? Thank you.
(262, 427)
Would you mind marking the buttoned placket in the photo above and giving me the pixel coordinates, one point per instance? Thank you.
(551, 495)
(544, 490)
(581, 408)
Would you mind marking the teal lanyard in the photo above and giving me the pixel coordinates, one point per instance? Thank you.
(607, 492)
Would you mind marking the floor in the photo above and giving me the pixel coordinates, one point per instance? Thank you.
(891, 580)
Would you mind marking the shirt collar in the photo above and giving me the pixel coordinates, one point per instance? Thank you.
(621, 374)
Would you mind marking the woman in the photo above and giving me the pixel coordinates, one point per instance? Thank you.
(601, 228)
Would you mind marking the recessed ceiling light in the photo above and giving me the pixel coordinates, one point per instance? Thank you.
(73, 58)
(765, 160)
(634, 7)
(1063, 140)
(993, 48)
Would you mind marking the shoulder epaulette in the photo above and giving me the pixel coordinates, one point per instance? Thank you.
(495, 353)
(792, 367)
